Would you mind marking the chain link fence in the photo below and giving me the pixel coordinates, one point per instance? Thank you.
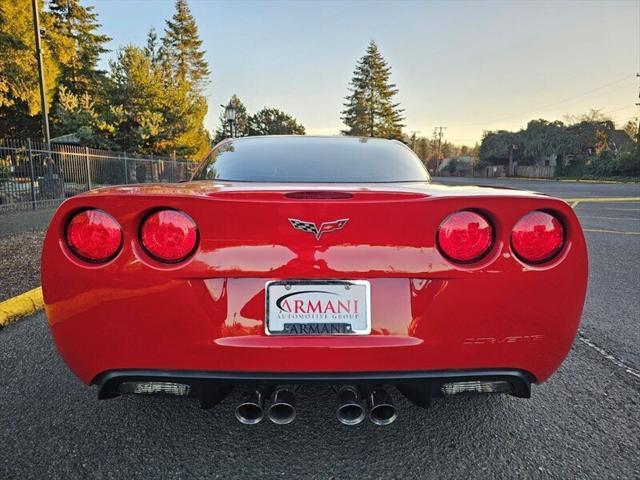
(33, 176)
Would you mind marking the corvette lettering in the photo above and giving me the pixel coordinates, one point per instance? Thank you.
(326, 227)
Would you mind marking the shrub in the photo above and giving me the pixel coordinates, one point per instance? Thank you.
(629, 164)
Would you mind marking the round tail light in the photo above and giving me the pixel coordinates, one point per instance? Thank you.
(169, 235)
(94, 236)
(537, 237)
(465, 236)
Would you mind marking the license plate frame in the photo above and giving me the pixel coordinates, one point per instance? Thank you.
(359, 325)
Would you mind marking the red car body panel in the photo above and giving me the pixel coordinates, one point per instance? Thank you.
(207, 313)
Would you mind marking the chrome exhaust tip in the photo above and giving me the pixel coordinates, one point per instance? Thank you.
(283, 406)
(381, 408)
(351, 409)
(251, 409)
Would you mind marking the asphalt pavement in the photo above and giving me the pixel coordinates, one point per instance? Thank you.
(14, 223)
(557, 188)
(583, 423)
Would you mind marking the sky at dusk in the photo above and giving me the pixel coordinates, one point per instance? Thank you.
(469, 66)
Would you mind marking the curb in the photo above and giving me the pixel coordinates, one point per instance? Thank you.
(20, 306)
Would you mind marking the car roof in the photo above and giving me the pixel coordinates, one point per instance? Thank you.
(284, 139)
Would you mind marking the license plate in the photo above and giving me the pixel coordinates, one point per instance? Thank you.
(327, 307)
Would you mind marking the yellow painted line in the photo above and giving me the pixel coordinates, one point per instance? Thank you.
(573, 201)
(636, 219)
(20, 306)
(595, 230)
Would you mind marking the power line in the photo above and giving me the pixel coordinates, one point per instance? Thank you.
(583, 94)
(638, 104)
(438, 133)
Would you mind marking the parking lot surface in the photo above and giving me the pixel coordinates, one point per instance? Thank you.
(584, 422)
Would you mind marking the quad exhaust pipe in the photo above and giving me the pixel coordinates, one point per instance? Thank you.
(251, 408)
(382, 411)
(283, 406)
(351, 409)
(351, 406)
(281, 411)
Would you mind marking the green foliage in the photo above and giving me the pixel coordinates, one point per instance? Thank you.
(149, 102)
(452, 166)
(80, 73)
(79, 115)
(369, 108)
(591, 143)
(151, 113)
(271, 121)
(19, 91)
(495, 146)
(631, 128)
(542, 139)
(427, 150)
(182, 48)
(629, 163)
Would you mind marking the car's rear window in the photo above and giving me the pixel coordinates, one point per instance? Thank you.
(312, 159)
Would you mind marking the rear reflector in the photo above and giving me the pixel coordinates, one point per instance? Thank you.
(169, 236)
(94, 236)
(465, 236)
(537, 237)
(497, 386)
(150, 388)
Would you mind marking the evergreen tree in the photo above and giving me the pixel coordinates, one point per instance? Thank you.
(369, 109)
(80, 74)
(153, 113)
(89, 122)
(153, 49)
(271, 121)
(182, 47)
(241, 126)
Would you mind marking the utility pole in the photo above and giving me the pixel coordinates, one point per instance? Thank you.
(512, 147)
(438, 133)
(43, 95)
(638, 105)
(413, 139)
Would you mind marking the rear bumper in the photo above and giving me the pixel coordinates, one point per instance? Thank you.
(217, 325)
(211, 387)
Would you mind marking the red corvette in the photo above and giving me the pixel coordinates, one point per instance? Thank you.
(295, 260)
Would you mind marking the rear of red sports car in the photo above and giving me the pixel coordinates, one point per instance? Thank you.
(294, 260)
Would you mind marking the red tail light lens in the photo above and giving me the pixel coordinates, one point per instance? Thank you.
(169, 235)
(537, 237)
(94, 235)
(465, 236)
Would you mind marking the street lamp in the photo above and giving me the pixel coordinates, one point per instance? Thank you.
(230, 117)
(43, 96)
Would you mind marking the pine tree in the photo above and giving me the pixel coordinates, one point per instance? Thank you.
(152, 113)
(182, 47)
(241, 126)
(369, 109)
(153, 49)
(80, 74)
(271, 121)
